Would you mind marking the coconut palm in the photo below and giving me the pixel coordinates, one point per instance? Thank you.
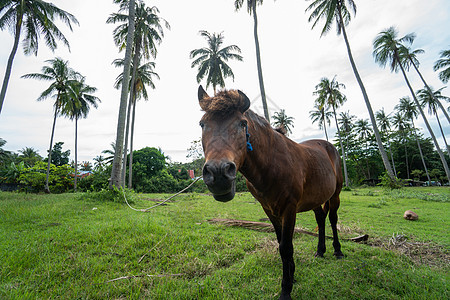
(251, 9)
(411, 55)
(99, 162)
(444, 64)
(58, 73)
(77, 105)
(402, 126)
(110, 152)
(384, 123)
(430, 98)
(29, 156)
(34, 18)
(322, 116)
(117, 162)
(407, 107)
(364, 132)
(211, 60)
(389, 49)
(346, 125)
(337, 11)
(281, 120)
(144, 77)
(329, 95)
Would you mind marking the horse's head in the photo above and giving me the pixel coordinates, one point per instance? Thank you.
(224, 139)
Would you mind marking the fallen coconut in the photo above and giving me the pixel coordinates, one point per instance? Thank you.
(410, 215)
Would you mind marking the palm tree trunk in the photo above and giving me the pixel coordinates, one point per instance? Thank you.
(46, 188)
(132, 98)
(325, 129)
(258, 63)
(10, 62)
(420, 151)
(76, 155)
(125, 147)
(430, 91)
(342, 148)
(392, 157)
(384, 157)
(442, 132)
(117, 162)
(406, 158)
(130, 163)
(441, 155)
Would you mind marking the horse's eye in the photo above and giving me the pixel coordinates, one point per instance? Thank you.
(243, 123)
(201, 124)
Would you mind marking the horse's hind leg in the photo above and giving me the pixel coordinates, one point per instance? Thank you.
(320, 219)
(334, 206)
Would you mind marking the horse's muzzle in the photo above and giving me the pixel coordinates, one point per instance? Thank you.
(220, 178)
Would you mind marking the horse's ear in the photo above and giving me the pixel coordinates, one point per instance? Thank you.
(245, 102)
(202, 98)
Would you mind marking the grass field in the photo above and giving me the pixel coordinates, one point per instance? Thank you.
(69, 247)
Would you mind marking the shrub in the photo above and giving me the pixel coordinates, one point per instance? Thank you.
(59, 181)
(110, 195)
(388, 182)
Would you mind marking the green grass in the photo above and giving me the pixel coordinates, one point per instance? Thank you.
(65, 246)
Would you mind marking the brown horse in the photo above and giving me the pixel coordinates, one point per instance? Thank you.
(285, 177)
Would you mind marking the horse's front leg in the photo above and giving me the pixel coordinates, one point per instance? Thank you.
(287, 253)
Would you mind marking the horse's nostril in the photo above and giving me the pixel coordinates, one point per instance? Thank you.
(229, 170)
(208, 174)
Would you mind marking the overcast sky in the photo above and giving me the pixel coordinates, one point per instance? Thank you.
(294, 59)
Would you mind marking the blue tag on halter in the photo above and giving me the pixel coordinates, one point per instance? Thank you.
(249, 146)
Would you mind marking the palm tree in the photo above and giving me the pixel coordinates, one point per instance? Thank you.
(444, 64)
(402, 125)
(144, 77)
(346, 124)
(322, 116)
(384, 123)
(99, 163)
(412, 57)
(407, 107)
(111, 152)
(364, 132)
(37, 16)
(117, 162)
(281, 120)
(59, 73)
(329, 95)
(429, 97)
(388, 48)
(29, 156)
(77, 105)
(251, 9)
(211, 60)
(336, 10)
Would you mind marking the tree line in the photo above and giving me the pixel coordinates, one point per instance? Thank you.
(140, 32)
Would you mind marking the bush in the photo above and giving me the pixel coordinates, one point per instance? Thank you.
(110, 195)
(388, 182)
(60, 178)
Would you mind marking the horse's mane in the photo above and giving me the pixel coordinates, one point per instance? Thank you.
(223, 103)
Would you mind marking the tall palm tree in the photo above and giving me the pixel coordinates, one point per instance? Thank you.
(430, 98)
(281, 120)
(444, 64)
(34, 18)
(144, 77)
(388, 48)
(337, 11)
(407, 107)
(384, 123)
(364, 132)
(77, 105)
(110, 152)
(322, 116)
(411, 55)
(402, 125)
(251, 9)
(329, 95)
(59, 74)
(211, 60)
(346, 123)
(117, 162)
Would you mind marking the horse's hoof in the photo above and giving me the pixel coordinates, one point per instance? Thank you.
(318, 254)
(338, 255)
(285, 297)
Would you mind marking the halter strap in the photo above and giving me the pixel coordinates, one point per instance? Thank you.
(249, 146)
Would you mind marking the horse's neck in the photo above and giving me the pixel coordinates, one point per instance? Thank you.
(264, 142)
